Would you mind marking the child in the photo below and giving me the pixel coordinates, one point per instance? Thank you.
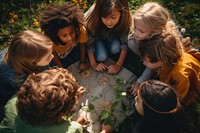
(63, 24)
(149, 20)
(174, 66)
(108, 24)
(44, 104)
(28, 52)
(157, 102)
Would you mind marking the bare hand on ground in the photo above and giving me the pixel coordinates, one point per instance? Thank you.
(134, 88)
(83, 66)
(113, 69)
(101, 67)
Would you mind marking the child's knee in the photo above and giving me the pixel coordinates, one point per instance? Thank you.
(100, 51)
(114, 47)
(101, 57)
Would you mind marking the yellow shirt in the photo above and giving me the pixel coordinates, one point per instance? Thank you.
(184, 77)
(62, 49)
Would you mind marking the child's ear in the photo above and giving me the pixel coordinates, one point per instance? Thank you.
(148, 37)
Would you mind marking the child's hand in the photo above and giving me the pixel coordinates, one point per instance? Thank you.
(83, 66)
(114, 69)
(100, 67)
(82, 120)
(106, 128)
(135, 88)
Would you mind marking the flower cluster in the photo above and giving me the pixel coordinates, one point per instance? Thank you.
(13, 17)
(83, 4)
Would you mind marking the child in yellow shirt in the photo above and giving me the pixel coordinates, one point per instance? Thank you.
(63, 24)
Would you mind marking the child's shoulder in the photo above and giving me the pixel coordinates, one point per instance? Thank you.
(194, 53)
(83, 38)
(82, 28)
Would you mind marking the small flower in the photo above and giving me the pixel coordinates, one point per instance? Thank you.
(15, 16)
(11, 13)
(183, 30)
(123, 93)
(36, 23)
(85, 6)
(11, 21)
(75, 1)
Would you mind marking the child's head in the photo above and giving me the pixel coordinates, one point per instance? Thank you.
(46, 97)
(61, 23)
(149, 20)
(110, 14)
(28, 50)
(164, 49)
(156, 97)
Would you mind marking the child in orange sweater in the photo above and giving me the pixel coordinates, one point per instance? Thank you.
(175, 67)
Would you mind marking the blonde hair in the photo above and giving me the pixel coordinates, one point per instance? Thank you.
(46, 97)
(25, 50)
(165, 47)
(156, 18)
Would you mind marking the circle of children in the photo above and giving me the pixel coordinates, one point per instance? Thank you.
(35, 97)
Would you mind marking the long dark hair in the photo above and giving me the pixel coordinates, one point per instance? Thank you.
(103, 8)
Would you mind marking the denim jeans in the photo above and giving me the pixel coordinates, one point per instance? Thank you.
(104, 48)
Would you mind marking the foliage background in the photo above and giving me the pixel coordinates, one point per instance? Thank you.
(17, 15)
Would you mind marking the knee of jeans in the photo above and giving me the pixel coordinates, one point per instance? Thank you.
(98, 43)
(115, 47)
(101, 57)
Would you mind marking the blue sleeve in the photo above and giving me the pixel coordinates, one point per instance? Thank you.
(147, 73)
(133, 46)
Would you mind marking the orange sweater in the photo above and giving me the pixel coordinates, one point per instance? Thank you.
(184, 77)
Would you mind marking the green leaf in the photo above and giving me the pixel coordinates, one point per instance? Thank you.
(91, 107)
(114, 105)
(5, 32)
(105, 114)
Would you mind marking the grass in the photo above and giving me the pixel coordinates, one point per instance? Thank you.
(180, 11)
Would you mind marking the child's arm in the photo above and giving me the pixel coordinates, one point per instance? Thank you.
(56, 59)
(83, 65)
(115, 68)
(147, 73)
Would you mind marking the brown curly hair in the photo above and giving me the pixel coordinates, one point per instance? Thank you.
(47, 96)
(57, 16)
